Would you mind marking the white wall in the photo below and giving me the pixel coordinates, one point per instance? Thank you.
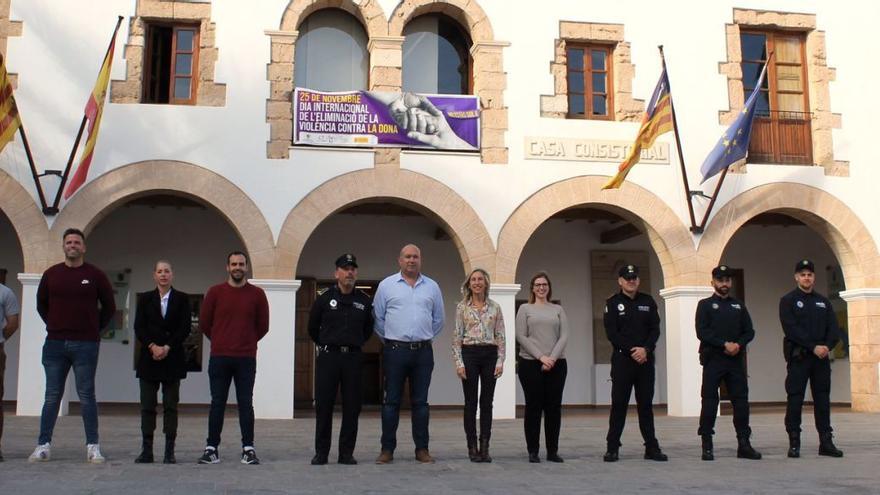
(562, 249)
(767, 256)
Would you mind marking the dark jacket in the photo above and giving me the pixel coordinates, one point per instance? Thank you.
(807, 320)
(341, 319)
(632, 322)
(721, 320)
(151, 328)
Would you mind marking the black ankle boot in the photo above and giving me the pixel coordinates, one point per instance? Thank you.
(827, 447)
(745, 449)
(169, 458)
(473, 452)
(653, 452)
(794, 444)
(484, 450)
(708, 453)
(146, 455)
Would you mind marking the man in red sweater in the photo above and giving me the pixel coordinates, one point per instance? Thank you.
(234, 316)
(67, 299)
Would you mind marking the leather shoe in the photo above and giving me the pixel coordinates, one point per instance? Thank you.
(533, 457)
(319, 460)
(554, 457)
(611, 456)
(385, 457)
(655, 454)
(347, 459)
(423, 456)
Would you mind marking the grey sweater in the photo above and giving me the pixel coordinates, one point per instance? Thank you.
(541, 330)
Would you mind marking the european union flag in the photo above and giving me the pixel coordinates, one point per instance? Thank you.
(734, 144)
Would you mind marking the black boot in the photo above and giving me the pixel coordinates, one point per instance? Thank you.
(708, 453)
(745, 449)
(146, 455)
(653, 452)
(484, 450)
(794, 444)
(473, 452)
(534, 458)
(827, 447)
(169, 458)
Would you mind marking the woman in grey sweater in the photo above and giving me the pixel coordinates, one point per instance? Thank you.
(542, 332)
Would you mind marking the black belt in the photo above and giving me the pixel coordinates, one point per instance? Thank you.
(400, 344)
(338, 348)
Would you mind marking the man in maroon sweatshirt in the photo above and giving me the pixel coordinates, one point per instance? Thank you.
(234, 316)
(67, 299)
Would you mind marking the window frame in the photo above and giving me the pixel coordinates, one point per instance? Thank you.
(148, 62)
(588, 72)
(462, 45)
(772, 83)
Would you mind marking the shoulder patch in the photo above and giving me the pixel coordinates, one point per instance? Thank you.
(322, 291)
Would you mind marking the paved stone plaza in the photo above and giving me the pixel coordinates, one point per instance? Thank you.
(285, 448)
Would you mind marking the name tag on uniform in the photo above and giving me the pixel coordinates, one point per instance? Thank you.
(358, 305)
(736, 306)
(644, 308)
(820, 304)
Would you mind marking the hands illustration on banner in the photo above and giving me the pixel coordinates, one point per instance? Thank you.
(424, 122)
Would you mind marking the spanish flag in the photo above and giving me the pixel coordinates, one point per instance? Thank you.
(656, 121)
(9, 119)
(94, 109)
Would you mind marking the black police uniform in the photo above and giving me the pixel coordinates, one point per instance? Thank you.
(339, 324)
(721, 320)
(807, 320)
(631, 322)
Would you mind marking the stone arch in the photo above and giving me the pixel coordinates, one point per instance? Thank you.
(101, 196)
(852, 244)
(667, 234)
(468, 13)
(428, 196)
(369, 12)
(841, 228)
(27, 220)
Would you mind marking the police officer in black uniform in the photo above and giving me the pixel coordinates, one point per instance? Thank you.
(340, 322)
(810, 327)
(724, 328)
(633, 327)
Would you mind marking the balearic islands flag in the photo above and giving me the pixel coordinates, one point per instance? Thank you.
(94, 109)
(656, 121)
(9, 120)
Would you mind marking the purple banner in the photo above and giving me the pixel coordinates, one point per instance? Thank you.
(373, 118)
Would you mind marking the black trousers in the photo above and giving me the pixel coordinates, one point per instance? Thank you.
(543, 394)
(170, 399)
(335, 370)
(479, 366)
(627, 374)
(818, 373)
(222, 371)
(731, 371)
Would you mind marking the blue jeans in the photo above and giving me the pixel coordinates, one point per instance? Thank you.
(222, 371)
(399, 363)
(58, 357)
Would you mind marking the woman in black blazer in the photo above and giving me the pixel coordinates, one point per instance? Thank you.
(161, 324)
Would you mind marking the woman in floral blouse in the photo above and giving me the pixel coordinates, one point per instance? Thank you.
(478, 350)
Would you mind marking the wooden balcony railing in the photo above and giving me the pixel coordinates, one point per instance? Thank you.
(781, 137)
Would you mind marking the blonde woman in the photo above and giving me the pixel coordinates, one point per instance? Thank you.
(478, 350)
(542, 333)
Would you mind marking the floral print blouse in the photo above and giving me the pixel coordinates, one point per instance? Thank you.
(474, 326)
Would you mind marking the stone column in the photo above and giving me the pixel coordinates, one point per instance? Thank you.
(273, 390)
(490, 81)
(31, 377)
(279, 105)
(683, 370)
(386, 63)
(863, 317)
(505, 389)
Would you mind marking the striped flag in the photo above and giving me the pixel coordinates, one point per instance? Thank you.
(94, 110)
(9, 119)
(656, 121)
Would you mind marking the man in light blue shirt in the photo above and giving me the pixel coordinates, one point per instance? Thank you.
(408, 310)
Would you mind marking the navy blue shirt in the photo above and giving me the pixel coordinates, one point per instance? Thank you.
(632, 322)
(808, 319)
(721, 320)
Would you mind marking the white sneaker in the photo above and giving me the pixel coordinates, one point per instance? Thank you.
(93, 453)
(41, 454)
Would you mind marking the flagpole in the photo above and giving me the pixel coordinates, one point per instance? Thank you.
(714, 197)
(79, 133)
(30, 157)
(684, 177)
